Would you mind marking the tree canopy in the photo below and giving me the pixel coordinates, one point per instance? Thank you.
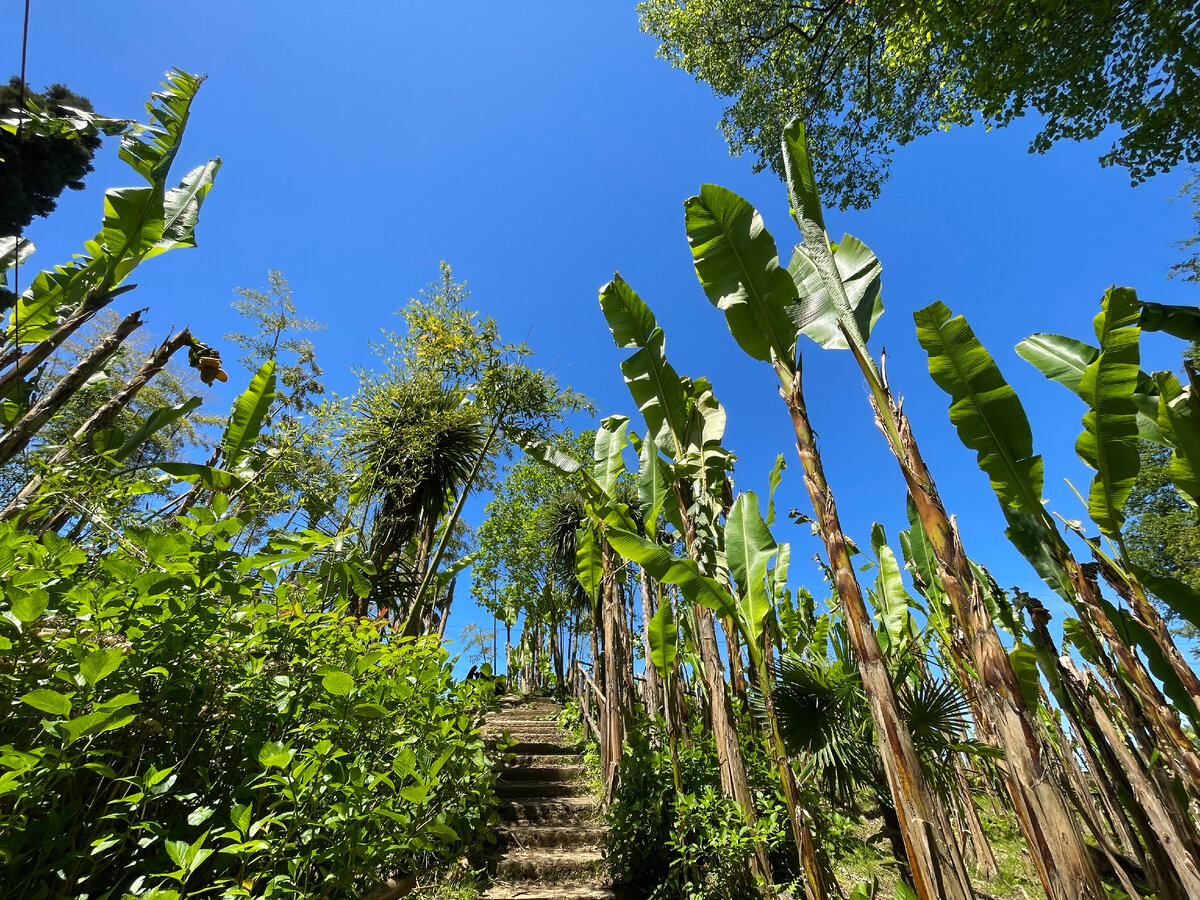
(37, 167)
(872, 75)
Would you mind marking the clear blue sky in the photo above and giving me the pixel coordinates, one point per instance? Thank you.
(539, 146)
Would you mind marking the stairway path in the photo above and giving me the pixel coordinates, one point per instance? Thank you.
(551, 831)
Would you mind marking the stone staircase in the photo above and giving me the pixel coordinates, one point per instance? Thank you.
(550, 837)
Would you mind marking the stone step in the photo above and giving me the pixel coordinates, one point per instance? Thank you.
(541, 789)
(518, 836)
(542, 748)
(529, 734)
(543, 772)
(530, 890)
(546, 865)
(516, 761)
(549, 811)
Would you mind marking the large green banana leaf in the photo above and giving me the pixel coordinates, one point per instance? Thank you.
(610, 443)
(249, 412)
(983, 407)
(589, 567)
(605, 507)
(818, 314)
(1108, 443)
(1182, 600)
(155, 422)
(749, 549)
(652, 485)
(13, 251)
(1180, 321)
(802, 184)
(664, 639)
(138, 222)
(737, 263)
(662, 566)
(652, 381)
(1065, 359)
(1179, 421)
(892, 602)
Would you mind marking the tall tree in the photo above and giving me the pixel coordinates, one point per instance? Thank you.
(870, 75)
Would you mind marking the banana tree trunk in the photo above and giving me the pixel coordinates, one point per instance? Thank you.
(1050, 829)
(17, 437)
(613, 724)
(937, 866)
(102, 417)
(1161, 821)
(655, 694)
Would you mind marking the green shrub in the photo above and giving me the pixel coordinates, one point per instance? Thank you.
(693, 846)
(178, 724)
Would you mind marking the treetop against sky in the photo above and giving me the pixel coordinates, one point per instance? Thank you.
(538, 147)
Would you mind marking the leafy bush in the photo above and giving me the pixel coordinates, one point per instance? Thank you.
(692, 846)
(181, 724)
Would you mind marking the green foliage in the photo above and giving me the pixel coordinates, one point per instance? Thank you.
(41, 164)
(180, 719)
(868, 77)
(689, 846)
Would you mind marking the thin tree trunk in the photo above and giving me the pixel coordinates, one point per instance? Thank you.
(102, 417)
(613, 724)
(19, 435)
(937, 866)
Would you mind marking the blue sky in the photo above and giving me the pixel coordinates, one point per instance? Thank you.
(538, 147)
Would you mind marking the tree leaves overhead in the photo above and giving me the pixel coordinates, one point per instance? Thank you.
(1108, 442)
(737, 263)
(662, 566)
(985, 410)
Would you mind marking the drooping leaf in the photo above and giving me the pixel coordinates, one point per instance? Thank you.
(1182, 600)
(249, 411)
(737, 263)
(985, 410)
(662, 566)
(1108, 443)
(1028, 534)
(1065, 359)
(13, 251)
(1180, 321)
(652, 485)
(589, 565)
(1024, 664)
(664, 638)
(1179, 422)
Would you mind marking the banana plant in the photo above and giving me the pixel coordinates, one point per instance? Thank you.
(991, 420)
(737, 262)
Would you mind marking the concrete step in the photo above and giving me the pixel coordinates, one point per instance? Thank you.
(565, 836)
(529, 734)
(536, 790)
(512, 773)
(532, 890)
(547, 865)
(550, 811)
